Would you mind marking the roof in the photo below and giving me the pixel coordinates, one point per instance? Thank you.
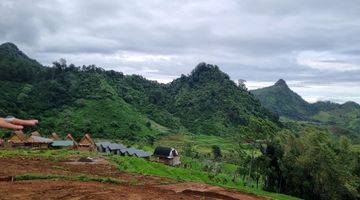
(123, 150)
(63, 143)
(55, 136)
(19, 134)
(136, 152)
(86, 140)
(69, 137)
(35, 133)
(103, 144)
(38, 139)
(131, 151)
(114, 146)
(142, 154)
(163, 151)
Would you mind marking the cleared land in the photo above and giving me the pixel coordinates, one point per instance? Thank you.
(37, 177)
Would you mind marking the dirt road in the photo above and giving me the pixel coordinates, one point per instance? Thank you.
(135, 186)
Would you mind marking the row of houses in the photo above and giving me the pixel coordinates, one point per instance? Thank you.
(120, 149)
(166, 155)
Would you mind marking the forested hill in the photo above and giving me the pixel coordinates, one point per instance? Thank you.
(110, 104)
(280, 99)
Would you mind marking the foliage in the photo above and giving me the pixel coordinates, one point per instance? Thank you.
(312, 166)
(138, 165)
(342, 119)
(108, 104)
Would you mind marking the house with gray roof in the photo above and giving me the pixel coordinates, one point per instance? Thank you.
(63, 144)
(103, 146)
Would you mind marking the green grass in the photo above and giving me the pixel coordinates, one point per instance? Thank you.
(138, 165)
(82, 178)
(49, 154)
(201, 143)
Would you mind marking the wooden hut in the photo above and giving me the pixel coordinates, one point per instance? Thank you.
(87, 143)
(167, 155)
(35, 133)
(18, 138)
(38, 142)
(55, 136)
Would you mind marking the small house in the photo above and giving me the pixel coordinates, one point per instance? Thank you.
(115, 148)
(18, 138)
(55, 136)
(123, 152)
(63, 144)
(103, 146)
(37, 141)
(87, 143)
(167, 155)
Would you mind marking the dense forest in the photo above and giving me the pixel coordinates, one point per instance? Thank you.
(306, 156)
(341, 119)
(67, 98)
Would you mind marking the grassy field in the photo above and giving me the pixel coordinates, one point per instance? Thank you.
(201, 143)
(139, 165)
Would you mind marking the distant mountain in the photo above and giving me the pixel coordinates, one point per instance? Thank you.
(281, 100)
(109, 104)
(346, 115)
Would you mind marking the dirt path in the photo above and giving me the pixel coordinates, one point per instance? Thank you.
(57, 189)
(135, 186)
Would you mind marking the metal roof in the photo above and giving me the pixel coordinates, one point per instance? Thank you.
(163, 151)
(142, 154)
(62, 143)
(131, 151)
(114, 146)
(103, 144)
(136, 152)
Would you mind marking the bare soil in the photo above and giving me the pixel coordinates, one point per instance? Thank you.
(135, 186)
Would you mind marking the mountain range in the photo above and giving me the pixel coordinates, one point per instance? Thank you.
(109, 104)
(280, 99)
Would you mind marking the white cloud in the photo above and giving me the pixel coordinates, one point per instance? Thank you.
(327, 61)
(261, 41)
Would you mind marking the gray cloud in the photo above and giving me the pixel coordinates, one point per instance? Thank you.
(307, 42)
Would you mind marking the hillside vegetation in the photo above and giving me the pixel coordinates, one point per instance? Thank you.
(225, 134)
(66, 98)
(342, 119)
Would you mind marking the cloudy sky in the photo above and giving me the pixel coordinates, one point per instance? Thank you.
(313, 44)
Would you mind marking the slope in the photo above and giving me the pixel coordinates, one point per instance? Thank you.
(280, 99)
(208, 102)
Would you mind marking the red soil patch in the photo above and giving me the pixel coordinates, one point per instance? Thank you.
(209, 191)
(136, 186)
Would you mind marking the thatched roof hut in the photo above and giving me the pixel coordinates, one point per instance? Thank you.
(55, 136)
(33, 139)
(35, 133)
(18, 137)
(87, 143)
